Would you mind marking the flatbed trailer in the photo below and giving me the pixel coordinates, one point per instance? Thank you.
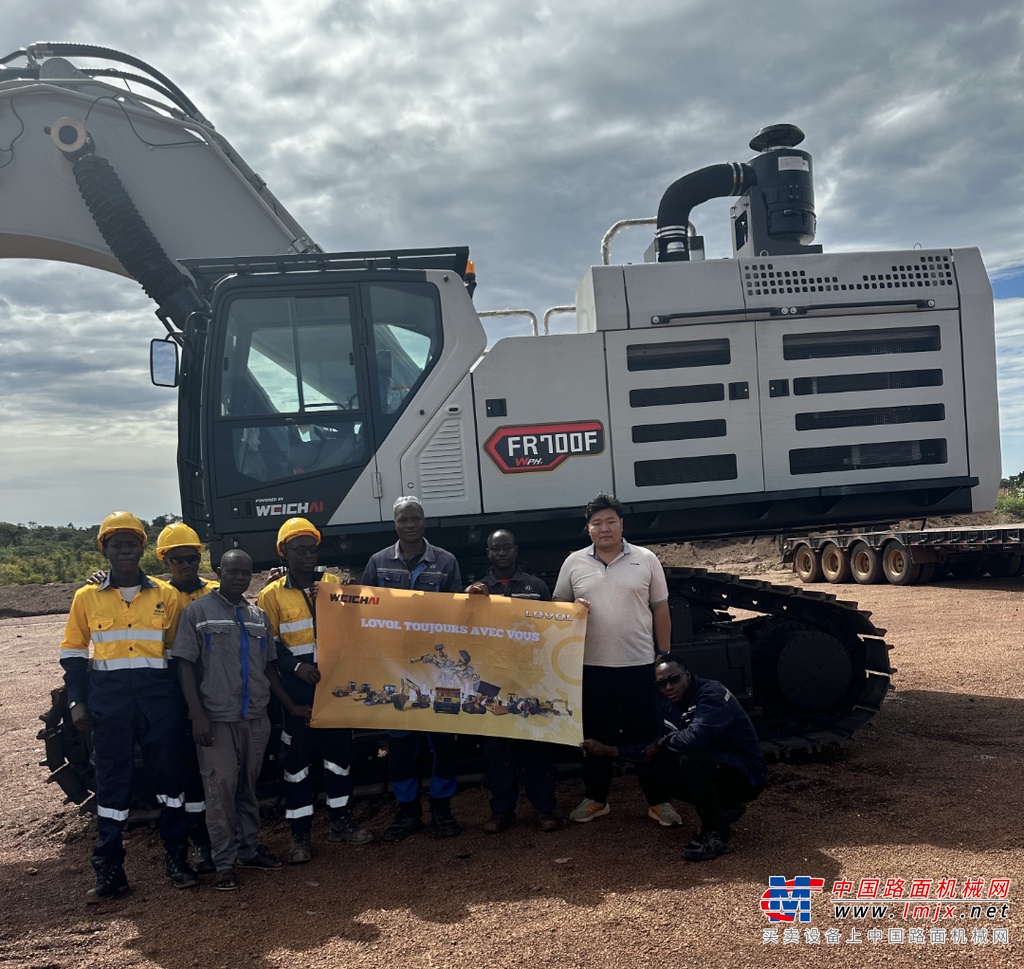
(906, 556)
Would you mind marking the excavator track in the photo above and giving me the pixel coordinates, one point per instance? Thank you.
(68, 753)
(818, 667)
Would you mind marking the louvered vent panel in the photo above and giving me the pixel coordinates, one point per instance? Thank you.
(870, 417)
(442, 466)
(844, 383)
(855, 457)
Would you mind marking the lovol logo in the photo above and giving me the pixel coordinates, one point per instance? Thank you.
(543, 447)
(276, 508)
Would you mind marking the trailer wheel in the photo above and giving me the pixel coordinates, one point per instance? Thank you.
(897, 566)
(928, 570)
(1004, 566)
(967, 568)
(865, 564)
(807, 565)
(835, 564)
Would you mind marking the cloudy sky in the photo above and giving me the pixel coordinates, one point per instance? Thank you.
(524, 130)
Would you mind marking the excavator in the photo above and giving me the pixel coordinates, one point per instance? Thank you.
(784, 387)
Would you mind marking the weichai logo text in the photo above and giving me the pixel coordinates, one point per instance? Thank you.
(287, 509)
(355, 600)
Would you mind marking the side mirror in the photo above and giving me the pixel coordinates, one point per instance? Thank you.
(163, 363)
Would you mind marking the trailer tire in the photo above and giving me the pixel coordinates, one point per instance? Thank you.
(897, 565)
(865, 564)
(928, 571)
(967, 568)
(1005, 566)
(807, 564)
(835, 564)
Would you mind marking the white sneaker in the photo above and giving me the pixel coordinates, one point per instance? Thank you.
(665, 815)
(590, 809)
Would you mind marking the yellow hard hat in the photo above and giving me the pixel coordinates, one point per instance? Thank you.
(292, 529)
(121, 521)
(174, 536)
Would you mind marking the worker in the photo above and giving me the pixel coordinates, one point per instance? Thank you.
(623, 586)
(225, 654)
(180, 549)
(413, 563)
(290, 605)
(129, 693)
(508, 760)
(706, 753)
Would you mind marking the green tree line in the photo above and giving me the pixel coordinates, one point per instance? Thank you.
(1011, 495)
(36, 553)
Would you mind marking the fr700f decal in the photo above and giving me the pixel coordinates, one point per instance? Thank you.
(543, 447)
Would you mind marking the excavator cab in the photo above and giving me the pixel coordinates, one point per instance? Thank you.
(301, 369)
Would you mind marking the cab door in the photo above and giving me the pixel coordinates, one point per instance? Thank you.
(292, 431)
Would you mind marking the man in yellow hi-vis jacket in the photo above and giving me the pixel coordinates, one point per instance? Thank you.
(128, 693)
(290, 605)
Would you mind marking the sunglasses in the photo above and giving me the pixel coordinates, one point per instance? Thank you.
(183, 559)
(670, 680)
(303, 549)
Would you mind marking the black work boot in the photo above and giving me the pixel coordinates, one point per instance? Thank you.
(407, 822)
(179, 871)
(344, 828)
(301, 849)
(707, 845)
(202, 860)
(111, 881)
(441, 820)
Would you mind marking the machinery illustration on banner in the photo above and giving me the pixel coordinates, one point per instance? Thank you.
(474, 696)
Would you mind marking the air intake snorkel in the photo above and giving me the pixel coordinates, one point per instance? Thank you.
(775, 213)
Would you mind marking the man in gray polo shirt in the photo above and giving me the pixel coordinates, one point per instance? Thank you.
(225, 653)
(623, 586)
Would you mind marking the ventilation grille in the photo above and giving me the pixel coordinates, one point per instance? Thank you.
(667, 396)
(676, 355)
(844, 383)
(861, 343)
(860, 457)
(441, 465)
(678, 431)
(870, 417)
(670, 471)
(763, 279)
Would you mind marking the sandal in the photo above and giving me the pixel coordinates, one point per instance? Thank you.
(225, 881)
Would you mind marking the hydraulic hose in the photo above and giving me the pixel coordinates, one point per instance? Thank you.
(131, 241)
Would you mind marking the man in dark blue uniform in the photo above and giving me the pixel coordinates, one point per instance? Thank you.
(706, 753)
(505, 578)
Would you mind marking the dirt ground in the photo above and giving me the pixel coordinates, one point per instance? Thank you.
(930, 790)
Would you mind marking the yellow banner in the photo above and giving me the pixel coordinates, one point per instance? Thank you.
(453, 663)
